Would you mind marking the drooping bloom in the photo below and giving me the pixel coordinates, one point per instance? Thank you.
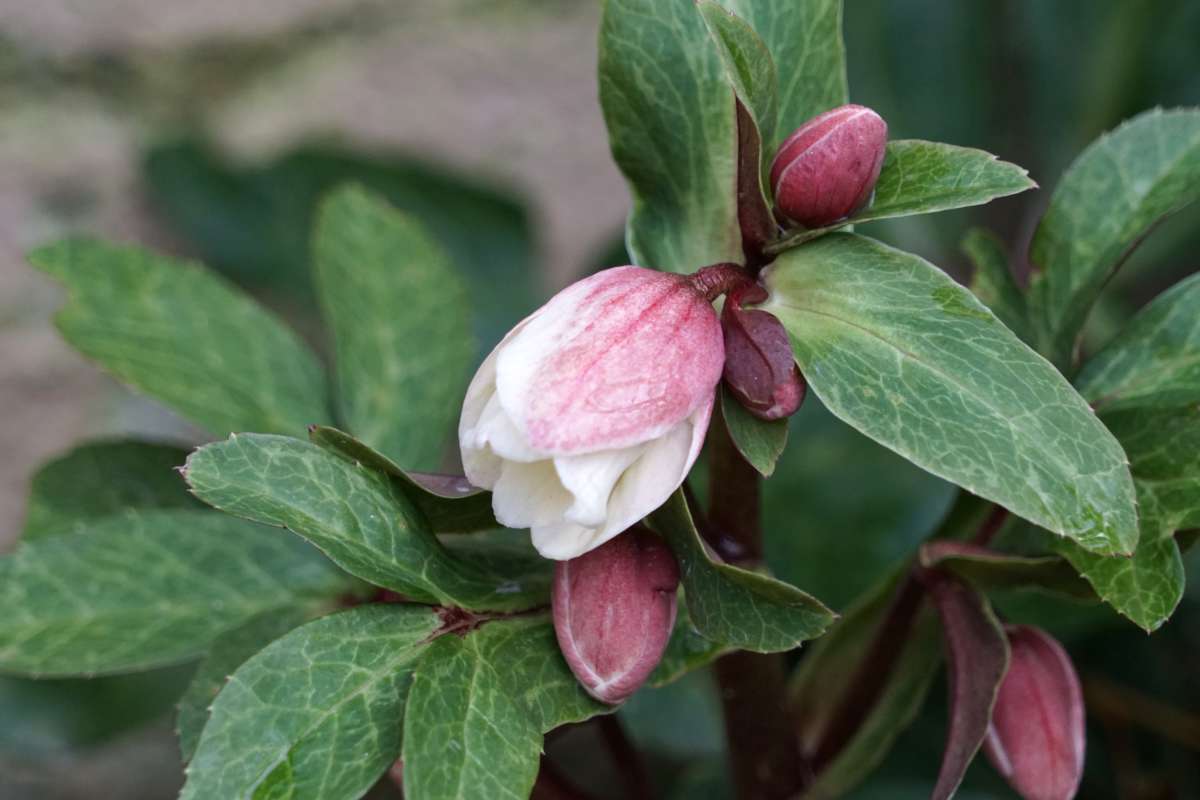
(1036, 738)
(614, 609)
(827, 169)
(591, 411)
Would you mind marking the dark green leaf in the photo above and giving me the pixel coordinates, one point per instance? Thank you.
(896, 348)
(317, 713)
(143, 589)
(731, 606)
(992, 569)
(449, 502)
(1108, 200)
(687, 650)
(357, 515)
(993, 282)
(760, 442)
(255, 222)
(671, 125)
(1145, 587)
(828, 672)
(398, 313)
(478, 707)
(102, 478)
(227, 653)
(184, 336)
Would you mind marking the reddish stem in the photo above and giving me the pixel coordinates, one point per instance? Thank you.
(717, 279)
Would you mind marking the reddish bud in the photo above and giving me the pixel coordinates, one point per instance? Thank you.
(760, 369)
(1036, 737)
(614, 608)
(827, 169)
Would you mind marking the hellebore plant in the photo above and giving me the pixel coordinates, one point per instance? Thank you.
(397, 632)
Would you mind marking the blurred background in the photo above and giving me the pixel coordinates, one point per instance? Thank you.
(209, 130)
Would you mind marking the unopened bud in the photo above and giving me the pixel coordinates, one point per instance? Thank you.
(614, 608)
(760, 369)
(1036, 737)
(827, 169)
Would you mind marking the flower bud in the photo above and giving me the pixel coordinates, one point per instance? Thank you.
(760, 369)
(1036, 737)
(614, 609)
(589, 413)
(827, 169)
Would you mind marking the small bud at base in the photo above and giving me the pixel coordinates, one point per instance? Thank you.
(827, 169)
(614, 608)
(760, 369)
(1036, 739)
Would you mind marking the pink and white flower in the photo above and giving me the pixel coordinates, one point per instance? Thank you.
(591, 411)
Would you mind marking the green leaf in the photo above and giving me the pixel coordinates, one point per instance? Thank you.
(143, 589)
(449, 502)
(478, 707)
(254, 221)
(184, 336)
(51, 717)
(748, 65)
(1155, 361)
(760, 442)
(991, 569)
(687, 650)
(1145, 587)
(671, 125)
(805, 42)
(993, 282)
(896, 348)
(827, 674)
(227, 653)
(1108, 200)
(357, 515)
(102, 478)
(731, 606)
(921, 177)
(398, 313)
(317, 713)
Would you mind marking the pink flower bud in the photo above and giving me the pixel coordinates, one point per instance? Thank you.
(589, 413)
(760, 369)
(1036, 737)
(827, 169)
(613, 612)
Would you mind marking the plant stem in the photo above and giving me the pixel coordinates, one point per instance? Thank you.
(626, 758)
(760, 733)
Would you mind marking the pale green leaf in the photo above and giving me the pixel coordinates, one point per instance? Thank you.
(805, 42)
(731, 606)
(760, 442)
(449, 502)
(226, 654)
(478, 707)
(1107, 201)
(897, 349)
(142, 589)
(993, 282)
(360, 517)
(671, 125)
(102, 478)
(186, 337)
(402, 335)
(747, 63)
(317, 714)
(1145, 587)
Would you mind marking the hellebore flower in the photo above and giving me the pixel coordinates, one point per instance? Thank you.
(1037, 733)
(614, 609)
(827, 169)
(591, 411)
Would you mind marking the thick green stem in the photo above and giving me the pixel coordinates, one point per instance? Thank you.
(761, 734)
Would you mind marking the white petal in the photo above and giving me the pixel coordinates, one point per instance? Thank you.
(528, 495)
(590, 479)
(496, 430)
(564, 540)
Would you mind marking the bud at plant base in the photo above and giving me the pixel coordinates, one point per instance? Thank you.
(827, 169)
(760, 369)
(591, 411)
(614, 609)
(1036, 738)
